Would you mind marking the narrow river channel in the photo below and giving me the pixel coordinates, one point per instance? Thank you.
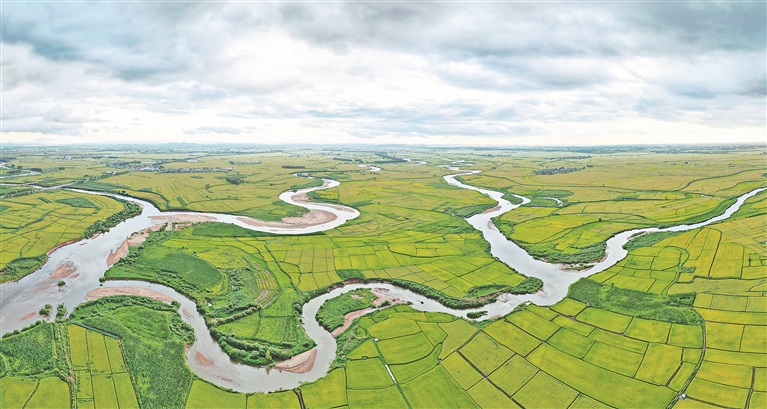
(88, 259)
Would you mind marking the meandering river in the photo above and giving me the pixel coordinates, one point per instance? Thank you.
(88, 259)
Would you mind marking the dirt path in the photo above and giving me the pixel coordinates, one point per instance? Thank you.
(143, 292)
(301, 363)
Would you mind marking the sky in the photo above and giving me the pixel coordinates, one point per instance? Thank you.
(427, 73)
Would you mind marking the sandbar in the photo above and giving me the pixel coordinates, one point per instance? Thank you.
(301, 363)
(143, 292)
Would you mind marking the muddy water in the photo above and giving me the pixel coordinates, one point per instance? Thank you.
(88, 257)
(20, 300)
(555, 280)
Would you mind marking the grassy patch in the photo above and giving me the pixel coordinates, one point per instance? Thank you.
(331, 313)
(153, 337)
(674, 309)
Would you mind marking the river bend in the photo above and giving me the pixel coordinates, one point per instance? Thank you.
(88, 257)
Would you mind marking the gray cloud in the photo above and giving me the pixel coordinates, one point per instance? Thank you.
(373, 70)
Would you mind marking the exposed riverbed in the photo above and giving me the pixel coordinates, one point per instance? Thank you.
(87, 259)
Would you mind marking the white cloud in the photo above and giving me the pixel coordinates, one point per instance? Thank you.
(392, 73)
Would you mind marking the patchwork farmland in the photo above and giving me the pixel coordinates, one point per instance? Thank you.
(681, 321)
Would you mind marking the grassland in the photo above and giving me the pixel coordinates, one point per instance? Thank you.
(33, 224)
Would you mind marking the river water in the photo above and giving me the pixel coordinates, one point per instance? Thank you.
(19, 299)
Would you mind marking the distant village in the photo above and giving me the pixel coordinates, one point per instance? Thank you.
(157, 167)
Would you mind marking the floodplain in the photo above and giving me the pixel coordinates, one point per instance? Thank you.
(681, 321)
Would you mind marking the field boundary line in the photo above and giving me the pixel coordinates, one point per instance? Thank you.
(396, 383)
(26, 402)
(697, 366)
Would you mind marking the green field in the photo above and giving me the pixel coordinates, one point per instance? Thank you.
(331, 313)
(682, 313)
(100, 373)
(33, 224)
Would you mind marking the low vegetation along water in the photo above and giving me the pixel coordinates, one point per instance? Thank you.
(86, 261)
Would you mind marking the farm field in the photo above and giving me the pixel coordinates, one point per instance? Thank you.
(33, 224)
(101, 377)
(611, 193)
(536, 357)
(683, 313)
(150, 372)
(34, 368)
(247, 283)
(249, 189)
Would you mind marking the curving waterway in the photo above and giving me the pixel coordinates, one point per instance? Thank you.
(556, 281)
(88, 258)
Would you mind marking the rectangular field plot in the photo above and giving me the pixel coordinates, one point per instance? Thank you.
(733, 375)
(436, 389)
(78, 347)
(330, 393)
(514, 374)
(610, 321)
(591, 380)
(488, 396)
(101, 379)
(376, 398)
(614, 359)
(659, 363)
(485, 353)
(461, 371)
(278, 400)
(533, 324)
(543, 391)
(104, 394)
(367, 374)
(405, 349)
(686, 336)
(571, 342)
(648, 330)
(722, 395)
(204, 395)
(15, 391)
(51, 393)
(98, 360)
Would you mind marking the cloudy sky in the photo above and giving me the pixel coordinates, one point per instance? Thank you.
(472, 73)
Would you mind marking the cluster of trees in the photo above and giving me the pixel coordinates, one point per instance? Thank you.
(676, 308)
(554, 171)
(20, 267)
(476, 314)
(101, 226)
(257, 354)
